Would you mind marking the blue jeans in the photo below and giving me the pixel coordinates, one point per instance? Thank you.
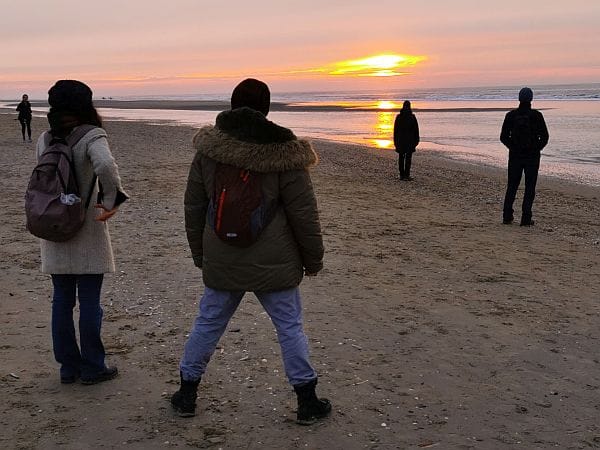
(217, 308)
(88, 362)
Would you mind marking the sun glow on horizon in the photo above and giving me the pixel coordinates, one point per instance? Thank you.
(385, 65)
(386, 104)
(377, 66)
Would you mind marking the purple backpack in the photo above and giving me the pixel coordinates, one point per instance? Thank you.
(53, 205)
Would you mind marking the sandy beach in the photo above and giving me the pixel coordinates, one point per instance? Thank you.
(432, 324)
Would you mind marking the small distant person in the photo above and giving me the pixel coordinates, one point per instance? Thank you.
(77, 266)
(525, 134)
(246, 149)
(24, 109)
(406, 139)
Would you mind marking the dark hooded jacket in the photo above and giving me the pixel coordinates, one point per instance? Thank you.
(24, 109)
(292, 241)
(538, 125)
(406, 132)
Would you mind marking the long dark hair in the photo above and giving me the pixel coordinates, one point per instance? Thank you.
(70, 106)
(406, 109)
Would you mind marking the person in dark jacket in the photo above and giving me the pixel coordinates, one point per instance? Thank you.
(406, 139)
(525, 134)
(272, 267)
(24, 109)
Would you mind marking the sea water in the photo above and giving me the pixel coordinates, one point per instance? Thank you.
(456, 123)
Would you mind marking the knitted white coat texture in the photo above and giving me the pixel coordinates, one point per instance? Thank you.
(90, 251)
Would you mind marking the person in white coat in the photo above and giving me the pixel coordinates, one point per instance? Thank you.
(77, 266)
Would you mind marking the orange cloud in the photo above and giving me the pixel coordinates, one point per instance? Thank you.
(381, 65)
(384, 65)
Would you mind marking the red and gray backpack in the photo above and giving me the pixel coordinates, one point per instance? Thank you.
(236, 211)
(53, 205)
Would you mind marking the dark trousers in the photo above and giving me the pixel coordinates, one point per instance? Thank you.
(516, 167)
(89, 361)
(404, 161)
(26, 125)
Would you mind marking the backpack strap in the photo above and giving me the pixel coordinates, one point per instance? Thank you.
(91, 191)
(72, 139)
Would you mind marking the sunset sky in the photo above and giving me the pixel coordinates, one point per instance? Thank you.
(193, 47)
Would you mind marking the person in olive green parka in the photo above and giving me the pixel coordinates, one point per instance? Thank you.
(289, 246)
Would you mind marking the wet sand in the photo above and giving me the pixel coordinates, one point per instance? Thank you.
(432, 325)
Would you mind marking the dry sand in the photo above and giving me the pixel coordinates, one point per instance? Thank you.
(432, 324)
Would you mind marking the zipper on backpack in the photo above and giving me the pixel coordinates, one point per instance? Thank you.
(220, 209)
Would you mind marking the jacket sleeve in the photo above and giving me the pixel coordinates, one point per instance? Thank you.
(506, 127)
(195, 205)
(396, 133)
(107, 171)
(417, 137)
(300, 206)
(542, 131)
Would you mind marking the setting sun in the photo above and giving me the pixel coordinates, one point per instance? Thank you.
(385, 104)
(386, 65)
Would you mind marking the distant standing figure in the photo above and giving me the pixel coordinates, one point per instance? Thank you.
(406, 139)
(24, 109)
(246, 153)
(77, 266)
(525, 134)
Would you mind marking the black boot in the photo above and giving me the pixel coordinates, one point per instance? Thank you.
(184, 400)
(310, 407)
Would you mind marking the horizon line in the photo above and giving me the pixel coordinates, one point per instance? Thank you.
(311, 91)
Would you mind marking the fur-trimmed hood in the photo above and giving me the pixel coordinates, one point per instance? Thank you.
(245, 138)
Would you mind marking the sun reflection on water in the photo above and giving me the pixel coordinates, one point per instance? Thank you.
(384, 128)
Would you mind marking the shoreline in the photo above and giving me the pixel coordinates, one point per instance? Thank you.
(210, 105)
(480, 168)
(434, 152)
